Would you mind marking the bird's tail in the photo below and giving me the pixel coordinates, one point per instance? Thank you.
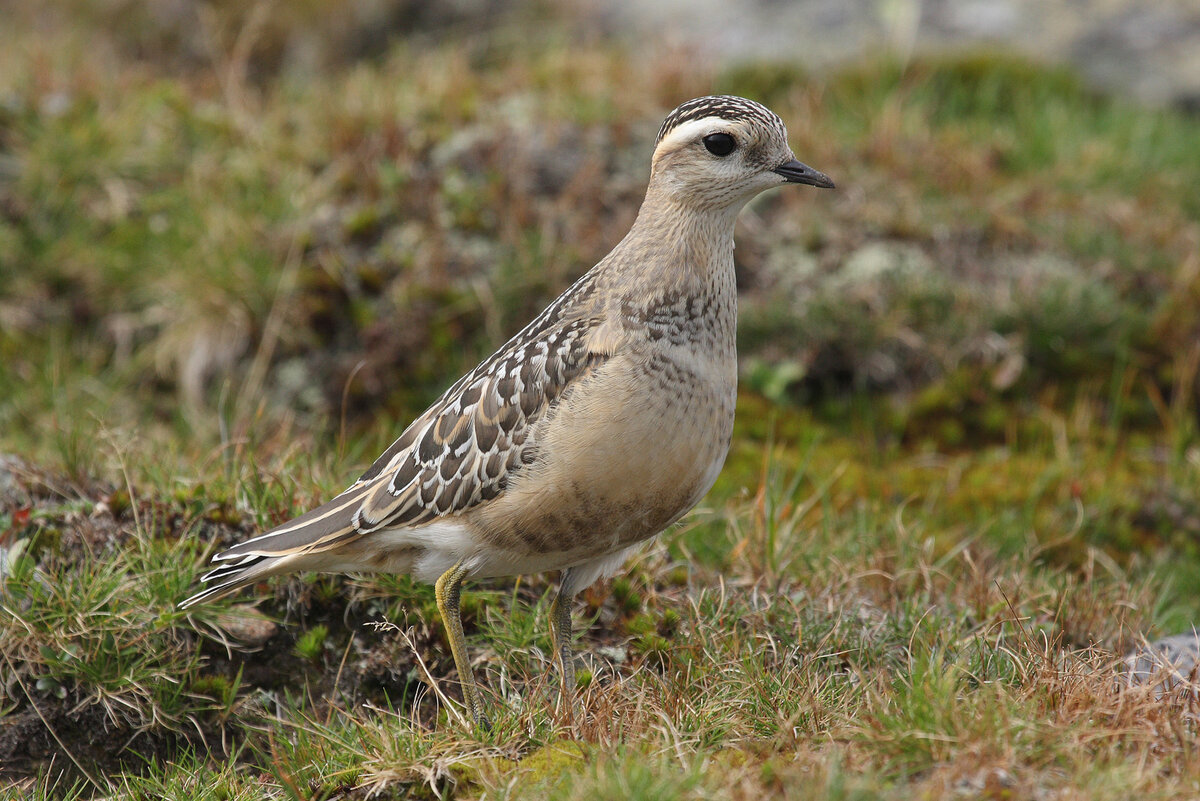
(299, 544)
(228, 579)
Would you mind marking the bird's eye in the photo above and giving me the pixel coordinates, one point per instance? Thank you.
(719, 144)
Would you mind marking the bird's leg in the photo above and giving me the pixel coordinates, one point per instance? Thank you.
(447, 590)
(560, 630)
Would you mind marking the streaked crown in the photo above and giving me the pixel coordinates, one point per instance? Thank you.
(725, 107)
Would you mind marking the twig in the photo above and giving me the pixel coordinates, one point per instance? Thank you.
(426, 676)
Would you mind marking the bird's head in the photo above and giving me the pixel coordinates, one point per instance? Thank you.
(718, 152)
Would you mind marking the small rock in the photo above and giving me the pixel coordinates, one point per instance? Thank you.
(876, 261)
(1168, 663)
(12, 490)
(616, 654)
(247, 626)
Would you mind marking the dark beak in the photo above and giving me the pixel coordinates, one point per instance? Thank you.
(796, 173)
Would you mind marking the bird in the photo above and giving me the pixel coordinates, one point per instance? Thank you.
(594, 428)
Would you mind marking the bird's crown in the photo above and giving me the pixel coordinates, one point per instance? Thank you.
(725, 107)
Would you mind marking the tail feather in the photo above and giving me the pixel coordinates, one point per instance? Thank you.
(231, 578)
(282, 548)
(322, 528)
(237, 568)
(323, 539)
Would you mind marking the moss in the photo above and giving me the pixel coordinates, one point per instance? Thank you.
(470, 774)
(654, 648)
(218, 688)
(546, 767)
(996, 85)
(311, 644)
(119, 502)
(626, 595)
(678, 577)
(364, 223)
(669, 622)
(641, 624)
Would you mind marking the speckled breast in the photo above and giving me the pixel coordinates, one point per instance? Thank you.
(646, 438)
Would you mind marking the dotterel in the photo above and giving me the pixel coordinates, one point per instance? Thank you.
(593, 429)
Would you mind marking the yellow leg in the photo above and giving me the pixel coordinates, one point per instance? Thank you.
(447, 590)
(560, 630)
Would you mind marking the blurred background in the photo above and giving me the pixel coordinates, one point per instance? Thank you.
(282, 228)
(322, 211)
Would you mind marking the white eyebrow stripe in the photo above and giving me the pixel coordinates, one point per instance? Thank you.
(690, 131)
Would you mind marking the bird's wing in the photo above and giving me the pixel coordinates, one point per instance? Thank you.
(461, 452)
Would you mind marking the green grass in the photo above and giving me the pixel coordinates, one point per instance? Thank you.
(879, 623)
(963, 480)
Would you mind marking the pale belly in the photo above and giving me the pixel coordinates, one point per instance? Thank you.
(627, 457)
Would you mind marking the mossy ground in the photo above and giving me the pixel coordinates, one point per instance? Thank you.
(964, 479)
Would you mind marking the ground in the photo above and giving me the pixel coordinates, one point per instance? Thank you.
(963, 482)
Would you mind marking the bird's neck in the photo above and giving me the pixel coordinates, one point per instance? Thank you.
(675, 245)
(673, 274)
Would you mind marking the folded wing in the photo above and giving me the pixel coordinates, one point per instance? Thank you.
(461, 452)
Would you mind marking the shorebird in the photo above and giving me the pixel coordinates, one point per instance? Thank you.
(593, 429)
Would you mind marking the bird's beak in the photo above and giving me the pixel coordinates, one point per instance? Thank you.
(795, 172)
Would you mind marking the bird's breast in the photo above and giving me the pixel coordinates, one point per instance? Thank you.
(627, 451)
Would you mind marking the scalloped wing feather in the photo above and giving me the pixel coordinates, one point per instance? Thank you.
(461, 452)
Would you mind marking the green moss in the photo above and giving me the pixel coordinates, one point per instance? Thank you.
(678, 577)
(654, 648)
(997, 86)
(641, 624)
(363, 223)
(119, 502)
(626, 595)
(218, 688)
(546, 767)
(311, 644)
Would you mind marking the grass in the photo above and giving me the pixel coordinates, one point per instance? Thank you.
(810, 627)
(962, 483)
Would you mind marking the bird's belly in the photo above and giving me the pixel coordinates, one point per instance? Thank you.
(625, 458)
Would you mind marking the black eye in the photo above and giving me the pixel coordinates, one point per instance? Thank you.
(719, 144)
